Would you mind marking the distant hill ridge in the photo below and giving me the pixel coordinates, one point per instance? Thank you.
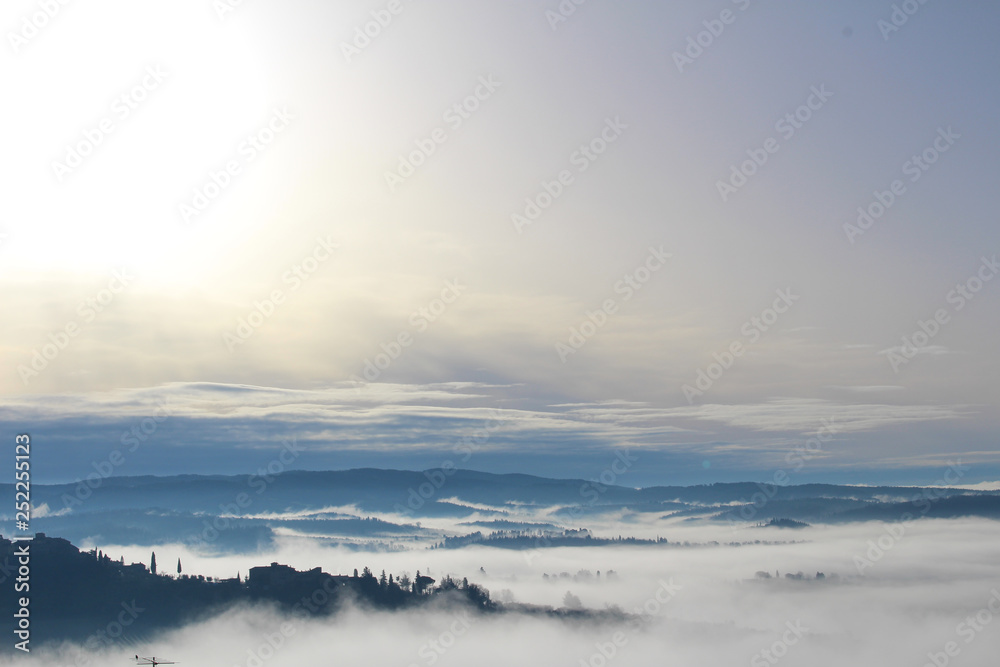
(379, 490)
(386, 507)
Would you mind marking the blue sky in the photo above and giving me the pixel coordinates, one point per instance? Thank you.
(614, 236)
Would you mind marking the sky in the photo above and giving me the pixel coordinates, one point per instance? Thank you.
(710, 234)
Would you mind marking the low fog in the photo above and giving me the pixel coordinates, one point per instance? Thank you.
(891, 594)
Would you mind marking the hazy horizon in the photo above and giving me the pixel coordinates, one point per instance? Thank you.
(634, 243)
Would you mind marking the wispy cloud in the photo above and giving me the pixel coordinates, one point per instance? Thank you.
(211, 424)
(803, 414)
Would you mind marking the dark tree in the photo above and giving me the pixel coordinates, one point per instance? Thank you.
(421, 583)
(179, 568)
(152, 563)
(170, 602)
